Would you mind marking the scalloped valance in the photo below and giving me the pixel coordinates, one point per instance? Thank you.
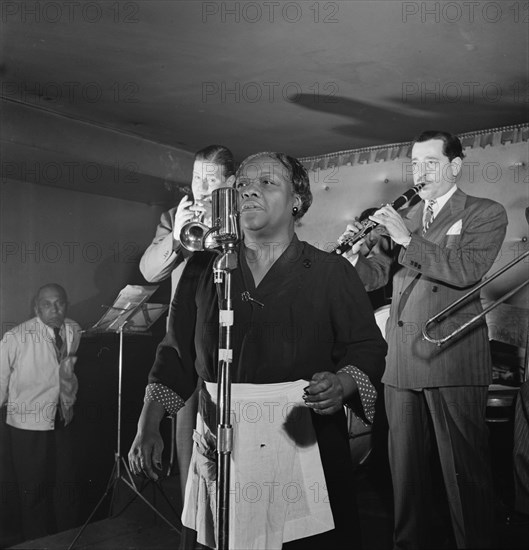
(381, 153)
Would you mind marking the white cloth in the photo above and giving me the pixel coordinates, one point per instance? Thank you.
(455, 228)
(277, 484)
(32, 380)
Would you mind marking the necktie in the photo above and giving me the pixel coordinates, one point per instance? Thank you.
(428, 216)
(58, 340)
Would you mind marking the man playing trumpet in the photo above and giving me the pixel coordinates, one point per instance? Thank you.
(214, 167)
(436, 396)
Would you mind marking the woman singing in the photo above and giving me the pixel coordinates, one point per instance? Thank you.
(304, 343)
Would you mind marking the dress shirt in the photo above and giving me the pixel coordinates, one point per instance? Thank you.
(440, 202)
(32, 380)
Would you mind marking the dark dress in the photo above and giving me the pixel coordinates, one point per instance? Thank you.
(315, 317)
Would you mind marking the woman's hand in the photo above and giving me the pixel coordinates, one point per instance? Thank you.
(325, 393)
(146, 453)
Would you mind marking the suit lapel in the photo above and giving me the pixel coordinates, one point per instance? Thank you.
(413, 217)
(413, 221)
(451, 211)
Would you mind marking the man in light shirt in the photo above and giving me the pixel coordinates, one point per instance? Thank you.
(38, 387)
(436, 396)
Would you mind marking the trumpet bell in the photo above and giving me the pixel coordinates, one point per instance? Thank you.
(192, 236)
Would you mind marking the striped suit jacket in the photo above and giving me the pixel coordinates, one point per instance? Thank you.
(458, 249)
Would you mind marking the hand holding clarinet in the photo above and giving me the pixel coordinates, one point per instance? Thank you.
(351, 241)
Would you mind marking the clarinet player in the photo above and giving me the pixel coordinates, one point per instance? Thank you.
(436, 397)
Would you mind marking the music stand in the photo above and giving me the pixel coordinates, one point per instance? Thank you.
(129, 314)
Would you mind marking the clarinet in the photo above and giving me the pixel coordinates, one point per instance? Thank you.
(368, 225)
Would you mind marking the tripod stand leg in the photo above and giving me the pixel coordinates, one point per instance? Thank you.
(110, 485)
(138, 493)
(156, 485)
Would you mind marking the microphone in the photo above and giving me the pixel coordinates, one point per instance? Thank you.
(225, 215)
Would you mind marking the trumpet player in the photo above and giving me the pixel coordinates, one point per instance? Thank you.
(213, 167)
(435, 397)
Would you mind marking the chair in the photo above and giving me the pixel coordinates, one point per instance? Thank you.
(508, 327)
(508, 334)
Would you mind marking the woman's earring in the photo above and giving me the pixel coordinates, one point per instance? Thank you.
(295, 210)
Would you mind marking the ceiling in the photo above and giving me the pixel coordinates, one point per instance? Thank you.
(304, 77)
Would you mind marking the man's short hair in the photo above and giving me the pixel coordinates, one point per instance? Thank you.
(220, 155)
(452, 147)
(60, 289)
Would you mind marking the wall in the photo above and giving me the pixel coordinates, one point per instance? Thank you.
(47, 148)
(88, 243)
(346, 183)
(92, 244)
(79, 204)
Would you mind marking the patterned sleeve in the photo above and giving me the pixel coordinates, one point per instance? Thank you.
(170, 400)
(366, 390)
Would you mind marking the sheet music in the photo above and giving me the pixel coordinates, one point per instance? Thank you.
(144, 317)
(129, 312)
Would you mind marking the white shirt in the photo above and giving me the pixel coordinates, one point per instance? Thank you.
(32, 381)
(439, 201)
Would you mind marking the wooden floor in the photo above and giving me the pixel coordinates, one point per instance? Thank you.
(126, 522)
(110, 534)
(133, 523)
(136, 526)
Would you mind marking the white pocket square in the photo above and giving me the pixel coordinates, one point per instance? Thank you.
(455, 229)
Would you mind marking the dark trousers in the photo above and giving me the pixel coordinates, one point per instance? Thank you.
(521, 450)
(45, 476)
(450, 423)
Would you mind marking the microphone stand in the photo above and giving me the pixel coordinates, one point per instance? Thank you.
(226, 233)
(222, 269)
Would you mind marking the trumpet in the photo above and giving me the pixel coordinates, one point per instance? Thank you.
(196, 236)
(368, 225)
(194, 232)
